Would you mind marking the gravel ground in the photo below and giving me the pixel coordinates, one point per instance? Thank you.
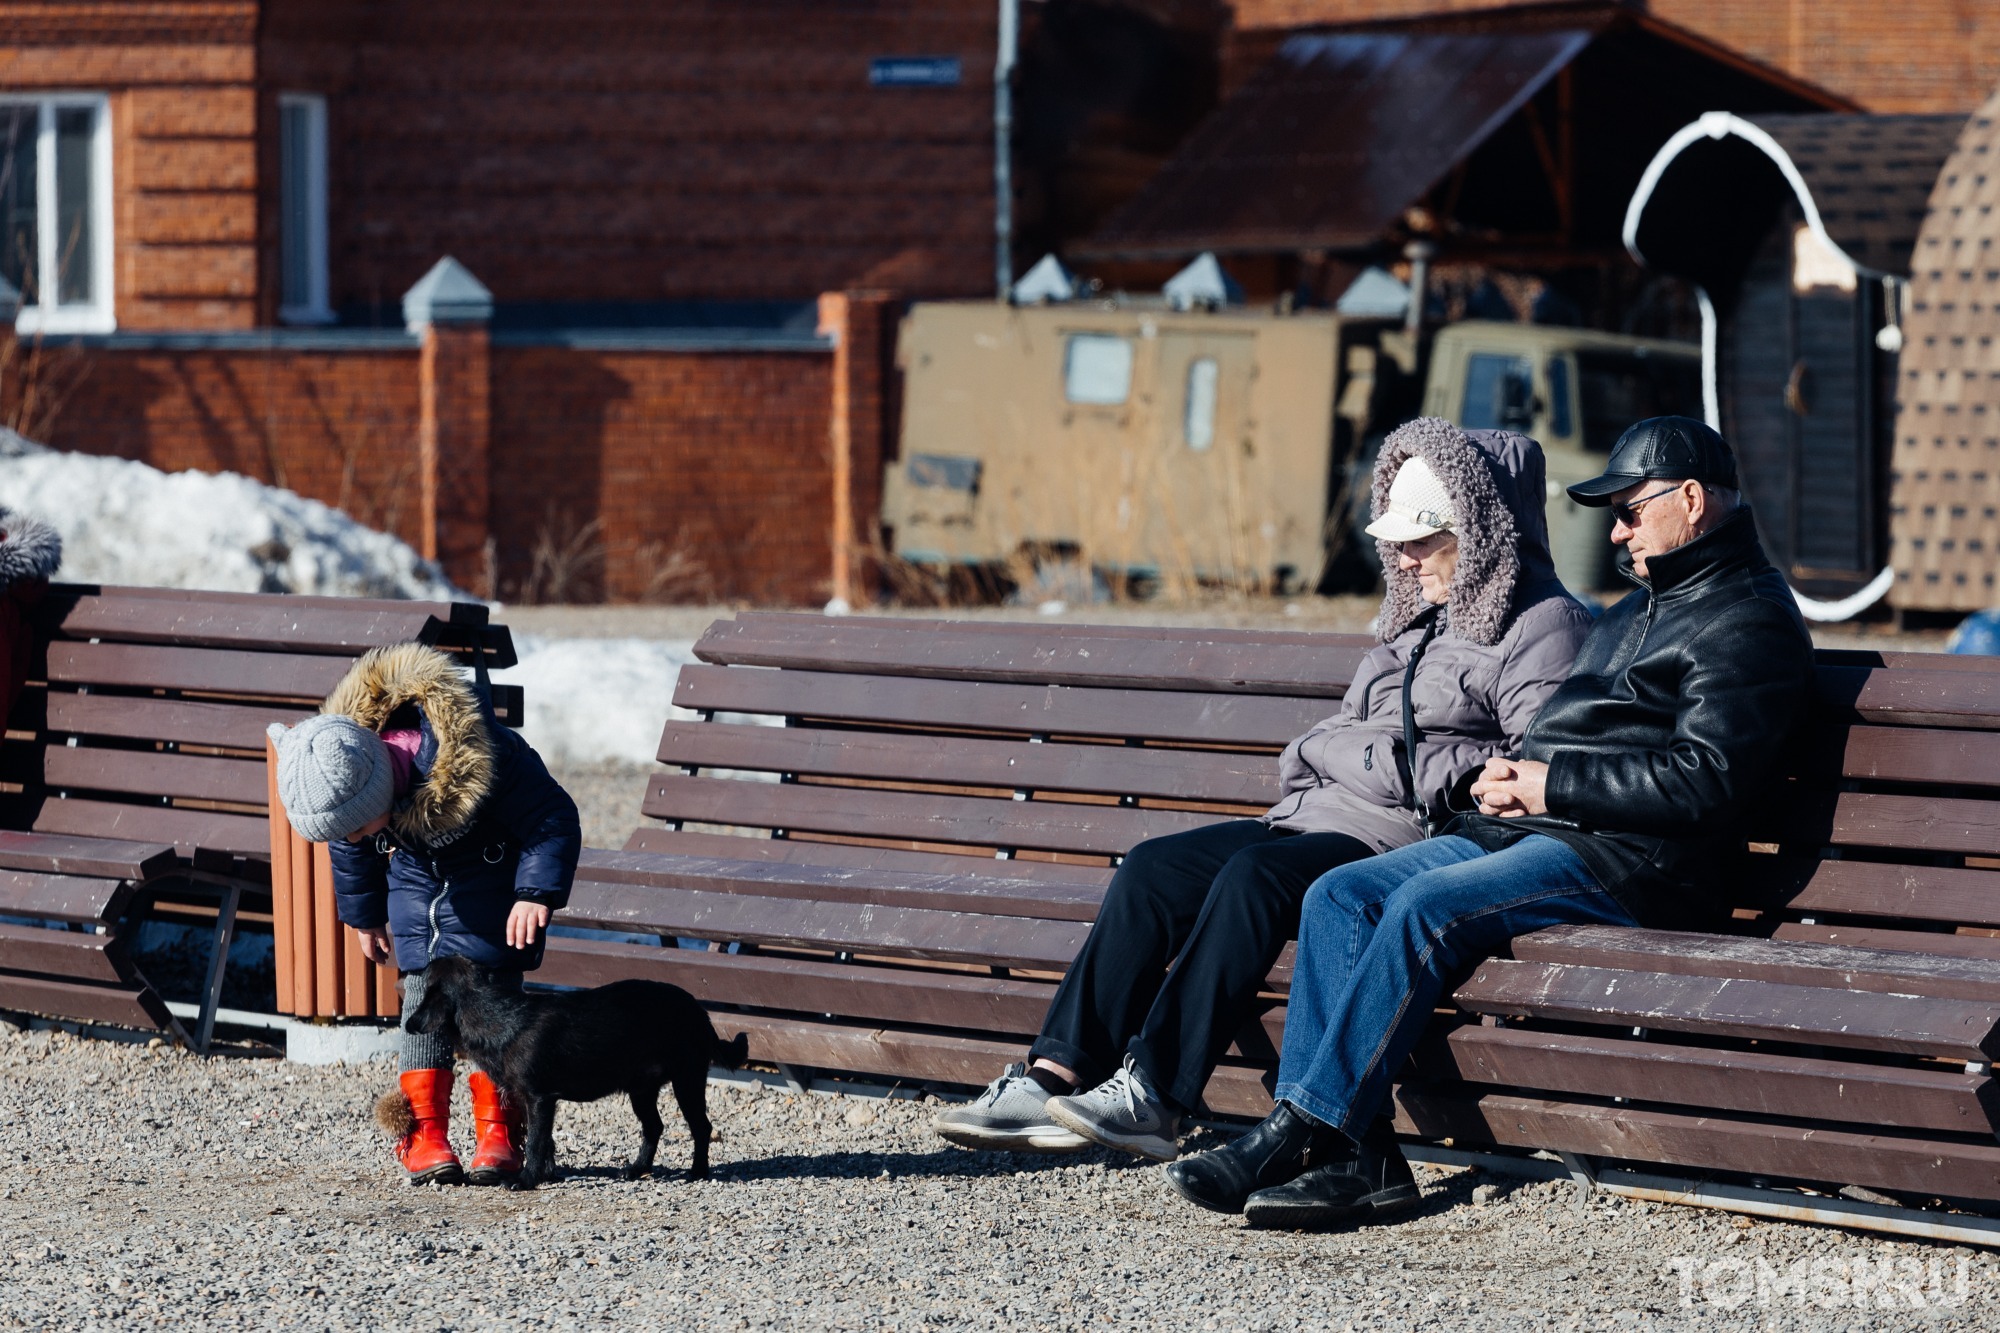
(145, 1186)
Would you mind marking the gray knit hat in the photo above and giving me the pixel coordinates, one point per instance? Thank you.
(333, 776)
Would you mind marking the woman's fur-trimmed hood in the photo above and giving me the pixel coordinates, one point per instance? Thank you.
(31, 548)
(1496, 482)
(446, 798)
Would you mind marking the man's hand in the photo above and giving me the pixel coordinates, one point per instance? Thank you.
(374, 944)
(1511, 788)
(525, 923)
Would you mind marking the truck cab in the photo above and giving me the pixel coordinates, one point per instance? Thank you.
(1575, 391)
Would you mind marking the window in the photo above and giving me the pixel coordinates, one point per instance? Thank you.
(55, 207)
(1198, 424)
(1097, 369)
(1559, 423)
(1499, 393)
(302, 291)
(1619, 388)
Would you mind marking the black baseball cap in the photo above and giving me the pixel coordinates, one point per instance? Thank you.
(1674, 448)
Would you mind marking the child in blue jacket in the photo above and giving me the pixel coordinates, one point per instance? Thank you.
(448, 836)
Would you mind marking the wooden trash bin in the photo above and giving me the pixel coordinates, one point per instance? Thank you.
(322, 972)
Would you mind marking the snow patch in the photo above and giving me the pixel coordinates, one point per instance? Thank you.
(123, 522)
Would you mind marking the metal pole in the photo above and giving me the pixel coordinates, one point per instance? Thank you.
(1003, 148)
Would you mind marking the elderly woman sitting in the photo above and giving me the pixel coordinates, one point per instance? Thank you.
(1475, 632)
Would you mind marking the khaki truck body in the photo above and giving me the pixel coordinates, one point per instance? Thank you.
(1214, 447)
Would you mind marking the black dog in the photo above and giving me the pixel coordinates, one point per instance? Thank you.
(577, 1046)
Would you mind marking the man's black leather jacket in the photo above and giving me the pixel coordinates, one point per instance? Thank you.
(1671, 721)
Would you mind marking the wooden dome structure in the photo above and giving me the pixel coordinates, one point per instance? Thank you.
(1944, 524)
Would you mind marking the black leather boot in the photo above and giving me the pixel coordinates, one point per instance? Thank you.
(1277, 1149)
(1365, 1182)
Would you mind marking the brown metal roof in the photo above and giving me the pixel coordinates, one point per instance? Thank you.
(1334, 138)
(1944, 501)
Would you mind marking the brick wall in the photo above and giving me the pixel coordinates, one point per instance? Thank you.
(708, 472)
(655, 474)
(1923, 56)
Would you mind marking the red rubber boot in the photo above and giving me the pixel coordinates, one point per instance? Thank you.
(497, 1157)
(424, 1147)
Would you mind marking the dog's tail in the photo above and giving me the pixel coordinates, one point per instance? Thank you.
(732, 1053)
(394, 1114)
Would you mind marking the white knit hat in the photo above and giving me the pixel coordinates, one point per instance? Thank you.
(333, 776)
(1419, 506)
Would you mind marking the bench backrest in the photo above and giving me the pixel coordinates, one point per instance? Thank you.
(1039, 743)
(911, 744)
(145, 716)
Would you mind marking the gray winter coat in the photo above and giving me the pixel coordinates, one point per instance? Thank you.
(1508, 636)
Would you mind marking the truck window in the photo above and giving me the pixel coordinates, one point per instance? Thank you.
(1560, 425)
(1619, 388)
(1097, 369)
(1499, 393)
(1198, 423)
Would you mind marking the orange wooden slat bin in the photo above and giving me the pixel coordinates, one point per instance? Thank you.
(322, 972)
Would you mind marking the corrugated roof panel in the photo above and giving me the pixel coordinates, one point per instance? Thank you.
(1334, 139)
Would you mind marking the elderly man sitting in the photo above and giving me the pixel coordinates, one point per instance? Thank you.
(1631, 783)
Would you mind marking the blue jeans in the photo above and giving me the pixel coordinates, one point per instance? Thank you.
(1380, 939)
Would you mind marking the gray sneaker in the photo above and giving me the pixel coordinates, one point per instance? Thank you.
(1010, 1116)
(1122, 1112)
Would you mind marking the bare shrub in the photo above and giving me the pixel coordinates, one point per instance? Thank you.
(566, 562)
(35, 381)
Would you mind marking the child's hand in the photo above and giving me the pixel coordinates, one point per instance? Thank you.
(374, 944)
(524, 923)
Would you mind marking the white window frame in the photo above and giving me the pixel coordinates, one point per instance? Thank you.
(318, 308)
(98, 315)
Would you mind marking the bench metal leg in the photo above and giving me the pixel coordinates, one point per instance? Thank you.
(797, 1077)
(218, 964)
(1583, 1171)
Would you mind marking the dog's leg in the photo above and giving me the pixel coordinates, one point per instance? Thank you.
(645, 1105)
(691, 1091)
(539, 1159)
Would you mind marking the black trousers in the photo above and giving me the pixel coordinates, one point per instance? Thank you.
(1218, 903)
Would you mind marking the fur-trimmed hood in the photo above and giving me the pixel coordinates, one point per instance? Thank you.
(457, 770)
(1496, 482)
(30, 548)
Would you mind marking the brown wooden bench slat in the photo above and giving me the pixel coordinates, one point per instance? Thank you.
(182, 721)
(84, 898)
(1868, 937)
(272, 624)
(184, 776)
(991, 893)
(1911, 698)
(469, 613)
(59, 854)
(1874, 888)
(1051, 826)
(880, 994)
(1042, 629)
(1913, 1165)
(61, 953)
(1906, 754)
(1688, 953)
(186, 830)
(1879, 819)
(1168, 660)
(1241, 721)
(800, 923)
(886, 1052)
(203, 670)
(1115, 770)
(128, 1007)
(800, 851)
(1757, 1082)
(1722, 1006)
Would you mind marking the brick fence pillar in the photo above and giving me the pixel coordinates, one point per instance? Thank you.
(860, 432)
(450, 310)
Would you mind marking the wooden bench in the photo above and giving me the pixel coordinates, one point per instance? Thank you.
(136, 779)
(929, 831)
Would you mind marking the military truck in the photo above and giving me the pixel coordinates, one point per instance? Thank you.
(1228, 446)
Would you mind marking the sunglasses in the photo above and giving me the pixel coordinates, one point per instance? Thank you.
(1628, 512)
